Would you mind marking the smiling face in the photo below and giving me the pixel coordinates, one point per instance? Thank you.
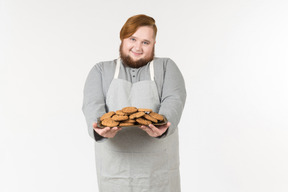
(138, 49)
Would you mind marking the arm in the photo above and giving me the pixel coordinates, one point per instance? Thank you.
(173, 96)
(172, 101)
(93, 100)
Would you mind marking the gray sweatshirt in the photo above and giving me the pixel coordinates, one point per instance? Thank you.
(168, 79)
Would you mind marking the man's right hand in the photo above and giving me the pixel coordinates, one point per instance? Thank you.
(107, 131)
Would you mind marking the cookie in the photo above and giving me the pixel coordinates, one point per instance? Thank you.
(137, 115)
(107, 115)
(156, 116)
(144, 110)
(108, 122)
(129, 110)
(120, 112)
(119, 117)
(150, 118)
(143, 121)
(129, 121)
(125, 124)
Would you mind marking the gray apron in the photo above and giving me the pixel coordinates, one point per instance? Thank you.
(133, 161)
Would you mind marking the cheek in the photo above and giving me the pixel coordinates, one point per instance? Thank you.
(128, 47)
(125, 49)
(148, 50)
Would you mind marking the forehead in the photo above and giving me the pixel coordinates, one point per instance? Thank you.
(144, 33)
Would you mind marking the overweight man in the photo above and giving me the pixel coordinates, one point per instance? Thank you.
(140, 158)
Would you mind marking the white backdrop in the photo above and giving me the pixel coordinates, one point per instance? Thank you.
(233, 56)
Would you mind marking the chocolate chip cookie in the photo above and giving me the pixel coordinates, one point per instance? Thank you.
(120, 112)
(107, 115)
(150, 118)
(129, 110)
(108, 122)
(144, 110)
(119, 117)
(137, 115)
(143, 121)
(156, 116)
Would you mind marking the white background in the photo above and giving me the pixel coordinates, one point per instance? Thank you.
(233, 56)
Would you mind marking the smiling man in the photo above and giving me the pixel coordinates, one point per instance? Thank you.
(139, 158)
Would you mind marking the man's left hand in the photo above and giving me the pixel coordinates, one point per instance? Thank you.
(155, 131)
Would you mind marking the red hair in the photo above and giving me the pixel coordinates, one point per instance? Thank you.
(134, 22)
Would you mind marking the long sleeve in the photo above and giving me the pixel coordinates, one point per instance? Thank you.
(93, 100)
(173, 96)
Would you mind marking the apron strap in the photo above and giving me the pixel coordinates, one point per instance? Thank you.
(152, 70)
(117, 69)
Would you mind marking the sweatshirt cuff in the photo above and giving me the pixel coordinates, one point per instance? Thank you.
(98, 137)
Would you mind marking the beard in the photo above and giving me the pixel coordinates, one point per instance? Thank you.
(127, 60)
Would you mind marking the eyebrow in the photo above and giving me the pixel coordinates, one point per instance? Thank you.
(138, 38)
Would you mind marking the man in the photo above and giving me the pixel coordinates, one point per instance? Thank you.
(138, 159)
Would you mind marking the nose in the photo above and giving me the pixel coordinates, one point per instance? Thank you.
(138, 45)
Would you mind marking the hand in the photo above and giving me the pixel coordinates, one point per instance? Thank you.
(155, 131)
(107, 131)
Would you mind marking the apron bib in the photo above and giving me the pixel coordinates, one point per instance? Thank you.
(132, 160)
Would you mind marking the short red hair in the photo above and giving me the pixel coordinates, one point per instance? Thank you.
(134, 22)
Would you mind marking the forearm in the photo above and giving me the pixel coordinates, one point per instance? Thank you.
(92, 111)
(172, 109)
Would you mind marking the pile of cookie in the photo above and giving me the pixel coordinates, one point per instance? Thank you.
(129, 116)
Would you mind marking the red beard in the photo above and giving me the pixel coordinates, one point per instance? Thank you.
(127, 60)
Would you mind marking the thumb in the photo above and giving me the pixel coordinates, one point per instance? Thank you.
(94, 124)
(168, 124)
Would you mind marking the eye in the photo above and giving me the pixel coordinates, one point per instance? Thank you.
(132, 39)
(146, 43)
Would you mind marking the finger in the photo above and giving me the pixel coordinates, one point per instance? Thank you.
(116, 128)
(113, 131)
(143, 127)
(148, 130)
(151, 126)
(155, 130)
(151, 132)
(104, 132)
(165, 125)
(97, 129)
(168, 124)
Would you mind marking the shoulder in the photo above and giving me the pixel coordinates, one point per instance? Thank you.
(163, 60)
(105, 65)
(164, 63)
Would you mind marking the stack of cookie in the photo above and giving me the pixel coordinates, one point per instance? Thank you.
(130, 116)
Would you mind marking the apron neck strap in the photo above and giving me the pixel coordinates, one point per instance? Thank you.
(152, 70)
(117, 69)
